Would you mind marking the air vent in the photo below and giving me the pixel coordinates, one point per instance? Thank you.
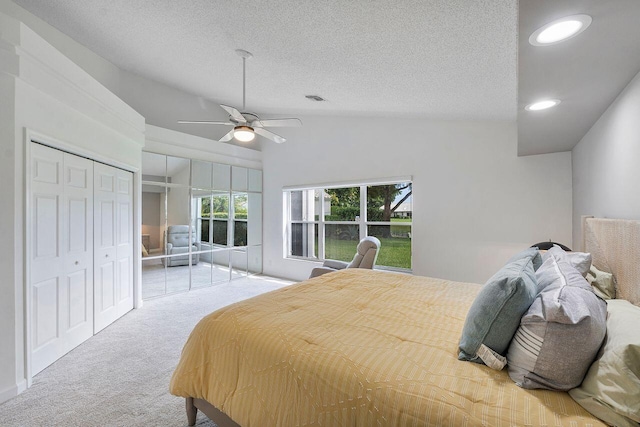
(315, 98)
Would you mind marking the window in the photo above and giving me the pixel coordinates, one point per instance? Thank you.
(240, 213)
(213, 218)
(303, 226)
(327, 223)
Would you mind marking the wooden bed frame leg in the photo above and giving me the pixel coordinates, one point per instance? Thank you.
(192, 411)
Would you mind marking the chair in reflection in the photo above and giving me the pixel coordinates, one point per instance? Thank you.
(178, 242)
(365, 257)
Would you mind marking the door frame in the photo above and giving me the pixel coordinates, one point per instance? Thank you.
(31, 136)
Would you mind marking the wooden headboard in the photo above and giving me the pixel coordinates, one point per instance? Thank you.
(614, 245)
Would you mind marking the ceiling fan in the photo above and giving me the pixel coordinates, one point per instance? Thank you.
(247, 125)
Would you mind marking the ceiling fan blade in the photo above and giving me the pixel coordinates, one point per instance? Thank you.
(227, 137)
(279, 123)
(205, 122)
(235, 114)
(270, 135)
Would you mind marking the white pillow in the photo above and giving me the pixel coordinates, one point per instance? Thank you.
(611, 388)
(581, 261)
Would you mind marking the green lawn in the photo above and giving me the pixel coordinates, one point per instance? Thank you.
(394, 251)
(400, 219)
(400, 229)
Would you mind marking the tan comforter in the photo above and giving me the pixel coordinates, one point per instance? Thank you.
(356, 348)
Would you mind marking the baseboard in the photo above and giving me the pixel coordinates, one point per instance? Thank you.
(13, 391)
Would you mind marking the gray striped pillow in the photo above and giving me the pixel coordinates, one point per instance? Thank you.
(560, 334)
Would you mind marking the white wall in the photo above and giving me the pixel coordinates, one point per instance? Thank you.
(606, 172)
(160, 104)
(11, 297)
(475, 202)
(48, 98)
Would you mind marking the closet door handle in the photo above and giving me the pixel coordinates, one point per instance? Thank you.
(76, 263)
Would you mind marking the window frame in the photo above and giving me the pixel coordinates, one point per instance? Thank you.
(201, 219)
(362, 221)
(212, 219)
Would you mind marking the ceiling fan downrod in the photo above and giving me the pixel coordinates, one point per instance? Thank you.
(244, 55)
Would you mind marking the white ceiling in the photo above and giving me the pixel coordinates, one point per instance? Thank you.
(440, 59)
(448, 59)
(586, 72)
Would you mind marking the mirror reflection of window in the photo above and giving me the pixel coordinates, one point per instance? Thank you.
(240, 215)
(220, 203)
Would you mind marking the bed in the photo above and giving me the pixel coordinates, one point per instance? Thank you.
(370, 348)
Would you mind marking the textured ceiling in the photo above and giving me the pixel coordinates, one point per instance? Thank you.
(446, 59)
(440, 59)
(586, 72)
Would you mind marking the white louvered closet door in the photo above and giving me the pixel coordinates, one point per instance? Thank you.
(113, 244)
(61, 275)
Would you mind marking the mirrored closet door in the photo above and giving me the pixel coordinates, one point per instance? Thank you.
(201, 223)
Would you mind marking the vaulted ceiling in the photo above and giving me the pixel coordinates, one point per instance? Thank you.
(436, 59)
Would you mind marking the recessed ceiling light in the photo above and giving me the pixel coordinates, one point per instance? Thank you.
(542, 105)
(560, 30)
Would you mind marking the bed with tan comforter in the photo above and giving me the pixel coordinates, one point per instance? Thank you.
(357, 348)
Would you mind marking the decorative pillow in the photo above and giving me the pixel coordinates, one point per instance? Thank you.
(561, 333)
(611, 389)
(536, 259)
(581, 261)
(495, 314)
(603, 283)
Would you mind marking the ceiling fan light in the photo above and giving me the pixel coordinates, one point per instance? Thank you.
(243, 133)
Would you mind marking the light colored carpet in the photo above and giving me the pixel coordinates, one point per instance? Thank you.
(120, 377)
(159, 280)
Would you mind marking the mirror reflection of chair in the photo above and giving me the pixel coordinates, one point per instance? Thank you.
(365, 257)
(178, 243)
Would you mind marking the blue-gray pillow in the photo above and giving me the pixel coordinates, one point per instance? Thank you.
(531, 253)
(495, 314)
